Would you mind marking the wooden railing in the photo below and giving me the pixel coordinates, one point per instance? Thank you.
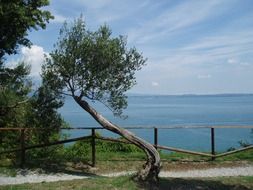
(92, 137)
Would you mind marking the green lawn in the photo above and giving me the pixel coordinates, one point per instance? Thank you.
(114, 158)
(122, 161)
(126, 183)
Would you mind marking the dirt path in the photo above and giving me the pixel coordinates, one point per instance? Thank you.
(35, 177)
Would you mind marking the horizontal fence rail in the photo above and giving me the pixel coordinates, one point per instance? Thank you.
(92, 137)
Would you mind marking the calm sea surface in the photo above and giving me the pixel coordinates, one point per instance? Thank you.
(177, 111)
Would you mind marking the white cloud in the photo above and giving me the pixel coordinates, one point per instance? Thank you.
(190, 45)
(239, 63)
(154, 83)
(204, 76)
(232, 61)
(101, 11)
(98, 12)
(246, 64)
(95, 4)
(173, 20)
(206, 52)
(34, 56)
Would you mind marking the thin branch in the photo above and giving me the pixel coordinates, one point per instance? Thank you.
(15, 105)
(91, 96)
(66, 94)
(71, 88)
(105, 105)
(3, 109)
(81, 94)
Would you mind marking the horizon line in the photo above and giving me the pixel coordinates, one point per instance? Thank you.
(191, 94)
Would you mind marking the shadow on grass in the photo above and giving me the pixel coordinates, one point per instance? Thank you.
(49, 167)
(195, 184)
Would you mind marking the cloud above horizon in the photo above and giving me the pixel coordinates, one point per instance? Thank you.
(34, 56)
(192, 46)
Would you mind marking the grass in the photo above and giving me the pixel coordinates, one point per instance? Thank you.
(247, 155)
(8, 171)
(223, 183)
(114, 158)
(109, 161)
(7, 168)
(125, 161)
(103, 183)
(126, 183)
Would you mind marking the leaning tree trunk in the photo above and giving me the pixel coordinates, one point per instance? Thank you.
(151, 169)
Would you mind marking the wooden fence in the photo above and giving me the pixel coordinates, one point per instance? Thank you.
(92, 137)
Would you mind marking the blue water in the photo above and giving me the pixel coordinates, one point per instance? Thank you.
(177, 111)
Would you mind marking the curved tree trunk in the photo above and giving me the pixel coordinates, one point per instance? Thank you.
(151, 169)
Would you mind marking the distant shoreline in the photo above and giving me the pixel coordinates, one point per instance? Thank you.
(192, 95)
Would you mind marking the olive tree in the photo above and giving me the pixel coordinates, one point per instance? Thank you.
(96, 66)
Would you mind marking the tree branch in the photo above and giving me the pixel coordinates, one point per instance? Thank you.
(16, 104)
(66, 94)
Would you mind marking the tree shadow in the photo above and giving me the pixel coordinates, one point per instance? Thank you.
(50, 167)
(196, 184)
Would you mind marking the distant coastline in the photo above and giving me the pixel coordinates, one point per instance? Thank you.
(192, 95)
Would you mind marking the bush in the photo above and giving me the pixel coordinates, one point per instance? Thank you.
(105, 146)
(81, 150)
(244, 144)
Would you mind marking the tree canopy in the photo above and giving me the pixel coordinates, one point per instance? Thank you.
(97, 66)
(15, 86)
(17, 17)
(20, 106)
(93, 65)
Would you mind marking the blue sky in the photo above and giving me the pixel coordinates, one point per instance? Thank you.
(192, 46)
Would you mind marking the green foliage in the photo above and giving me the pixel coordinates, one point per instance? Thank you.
(244, 143)
(44, 114)
(14, 88)
(14, 105)
(16, 18)
(18, 108)
(81, 150)
(92, 65)
(44, 157)
(8, 171)
(245, 155)
(103, 146)
(44, 117)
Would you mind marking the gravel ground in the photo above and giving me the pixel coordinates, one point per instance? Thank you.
(211, 172)
(27, 176)
(38, 177)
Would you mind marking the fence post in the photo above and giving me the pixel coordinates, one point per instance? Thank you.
(155, 137)
(212, 143)
(22, 146)
(93, 148)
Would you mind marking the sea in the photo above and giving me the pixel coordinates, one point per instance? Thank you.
(183, 121)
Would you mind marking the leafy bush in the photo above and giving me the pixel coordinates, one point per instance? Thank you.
(105, 146)
(79, 151)
(244, 143)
